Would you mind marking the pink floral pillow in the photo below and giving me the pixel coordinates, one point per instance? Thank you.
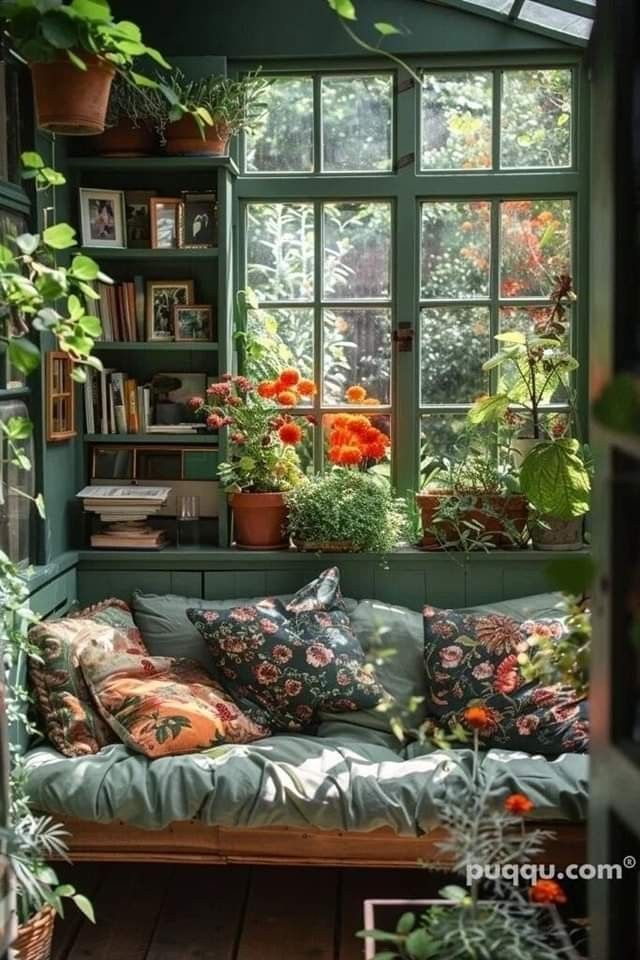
(471, 659)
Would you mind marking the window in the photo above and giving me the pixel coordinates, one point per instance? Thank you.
(347, 237)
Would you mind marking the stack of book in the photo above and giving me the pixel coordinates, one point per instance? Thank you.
(120, 310)
(114, 402)
(125, 512)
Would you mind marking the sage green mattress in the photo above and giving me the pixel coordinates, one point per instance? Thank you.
(346, 777)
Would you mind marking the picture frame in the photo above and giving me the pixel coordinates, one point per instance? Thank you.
(138, 218)
(166, 222)
(193, 322)
(199, 220)
(161, 298)
(60, 391)
(102, 217)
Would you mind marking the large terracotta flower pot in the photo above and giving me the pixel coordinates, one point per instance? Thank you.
(72, 101)
(259, 521)
(183, 137)
(125, 140)
(501, 517)
(34, 937)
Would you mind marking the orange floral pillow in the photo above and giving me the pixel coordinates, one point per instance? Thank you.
(161, 706)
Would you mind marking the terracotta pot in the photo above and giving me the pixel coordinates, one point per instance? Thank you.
(125, 140)
(512, 508)
(34, 937)
(72, 101)
(259, 521)
(556, 534)
(183, 137)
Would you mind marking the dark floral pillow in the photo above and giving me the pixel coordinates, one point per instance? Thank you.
(471, 659)
(283, 663)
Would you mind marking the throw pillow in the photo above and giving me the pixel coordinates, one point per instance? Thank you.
(64, 703)
(284, 663)
(162, 706)
(472, 659)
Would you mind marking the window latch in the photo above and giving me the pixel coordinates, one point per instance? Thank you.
(403, 337)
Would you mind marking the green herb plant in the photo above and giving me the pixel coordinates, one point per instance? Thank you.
(231, 104)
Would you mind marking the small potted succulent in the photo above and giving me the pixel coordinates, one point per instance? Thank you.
(204, 114)
(264, 464)
(134, 123)
(535, 369)
(74, 50)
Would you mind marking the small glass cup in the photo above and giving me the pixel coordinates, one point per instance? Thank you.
(188, 521)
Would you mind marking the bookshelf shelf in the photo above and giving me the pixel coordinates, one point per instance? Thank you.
(182, 346)
(173, 439)
(146, 253)
(153, 164)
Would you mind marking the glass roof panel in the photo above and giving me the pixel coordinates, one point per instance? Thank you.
(569, 20)
(559, 20)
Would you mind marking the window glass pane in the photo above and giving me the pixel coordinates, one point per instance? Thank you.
(454, 343)
(529, 320)
(357, 123)
(438, 435)
(357, 251)
(357, 355)
(284, 338)
(456, 121)
(535, 246)
(284, 141)
(536, 118)
(456, 249)
(348, 441)
(280, 250)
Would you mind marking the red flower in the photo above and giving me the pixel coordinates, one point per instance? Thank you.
(356, 394)
(290, 433)
(219, 390)
(267, 389)
(214, 420)
(507, 677)
(287, 398)
(289, 377)
(195, 402)
(306, 388)
(547, 891)
(348, 455)
(479, 718)
(518, 804)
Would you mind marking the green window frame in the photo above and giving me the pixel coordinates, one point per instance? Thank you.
(406, 187)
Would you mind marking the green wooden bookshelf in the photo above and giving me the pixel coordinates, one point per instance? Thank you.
(150, 254)
(153, 164)
(157, 439)
(181, 346)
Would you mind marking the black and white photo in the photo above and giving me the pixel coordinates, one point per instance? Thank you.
(192, 322)
(200, 220)
(165, 222)
(137, 203)
(102, 217)
(163, 296)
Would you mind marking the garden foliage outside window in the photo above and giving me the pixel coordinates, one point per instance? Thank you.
(346, 237)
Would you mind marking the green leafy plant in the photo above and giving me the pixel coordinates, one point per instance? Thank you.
(347, 506)
(216, 100)
(45, 30)
(140, 105)
(556, 479)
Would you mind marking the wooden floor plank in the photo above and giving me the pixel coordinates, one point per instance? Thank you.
(201, 914)
(290, 913)
(86, 878)
(127, 906)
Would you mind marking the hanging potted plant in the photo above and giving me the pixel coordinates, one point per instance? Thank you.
(134, 123)
(535, 369)
(74, 49)
(264, 463)
(204, 114)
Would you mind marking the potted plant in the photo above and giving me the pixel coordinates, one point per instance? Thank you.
(204, 114)
(535, 367)
(74, 49)
(471, 500)
(134, 123)
(264, 463)
(485, 830)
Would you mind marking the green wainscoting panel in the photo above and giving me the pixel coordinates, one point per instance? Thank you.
(186, 583)
(57, 597)
(200, 465)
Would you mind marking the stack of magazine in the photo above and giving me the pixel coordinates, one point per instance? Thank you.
(125, 513)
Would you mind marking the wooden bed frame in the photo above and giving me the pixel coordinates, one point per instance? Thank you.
(194, 842)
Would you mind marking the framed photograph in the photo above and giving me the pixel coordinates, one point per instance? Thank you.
(163, 296)
(102, 217)
(166, 215)
(192, 322)
(200, 220)
(138, 216)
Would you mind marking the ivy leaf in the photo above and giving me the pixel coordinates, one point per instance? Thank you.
(31, 160)
(59, 29)
(53, 177)
(555, 479)
(90, 325)
(79, 375)
(6, 256)
(386, 29)
(49, 288)
(39, 503)
(344, 9)
(92, 9)
(489, 409)
(84, 906)
(18, 428)
(23, 354)
(59, 236)
(84, 268)
(75, 308)
(28, 243)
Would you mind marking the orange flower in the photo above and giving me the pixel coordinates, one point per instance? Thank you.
(306, 388)
(290, 433)
(478, 718)
(289, 377)
(547, 891)
(349, 455)
(356, 394)
(359, 424)
(267, 389)
(287, 398)
(518, 804)
(375, 451)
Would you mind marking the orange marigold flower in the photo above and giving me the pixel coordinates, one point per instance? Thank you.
(356, 394)
(290, 433)
(547, 891)
(341, 420)
(518, 804)
(287, 398)
(349, 455)
(359, 424)
(306, 388)
(375, 451)
(289, 377)
(478, 718)
(267, 389)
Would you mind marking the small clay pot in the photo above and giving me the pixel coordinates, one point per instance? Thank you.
(70, 101)
(259, 521)
(556, 534)
(512, 508)
(125, 140)
(183, 137)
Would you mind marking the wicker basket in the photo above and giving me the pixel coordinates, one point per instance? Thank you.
(34, 937)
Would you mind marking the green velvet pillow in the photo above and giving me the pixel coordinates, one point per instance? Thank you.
(284, 663)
